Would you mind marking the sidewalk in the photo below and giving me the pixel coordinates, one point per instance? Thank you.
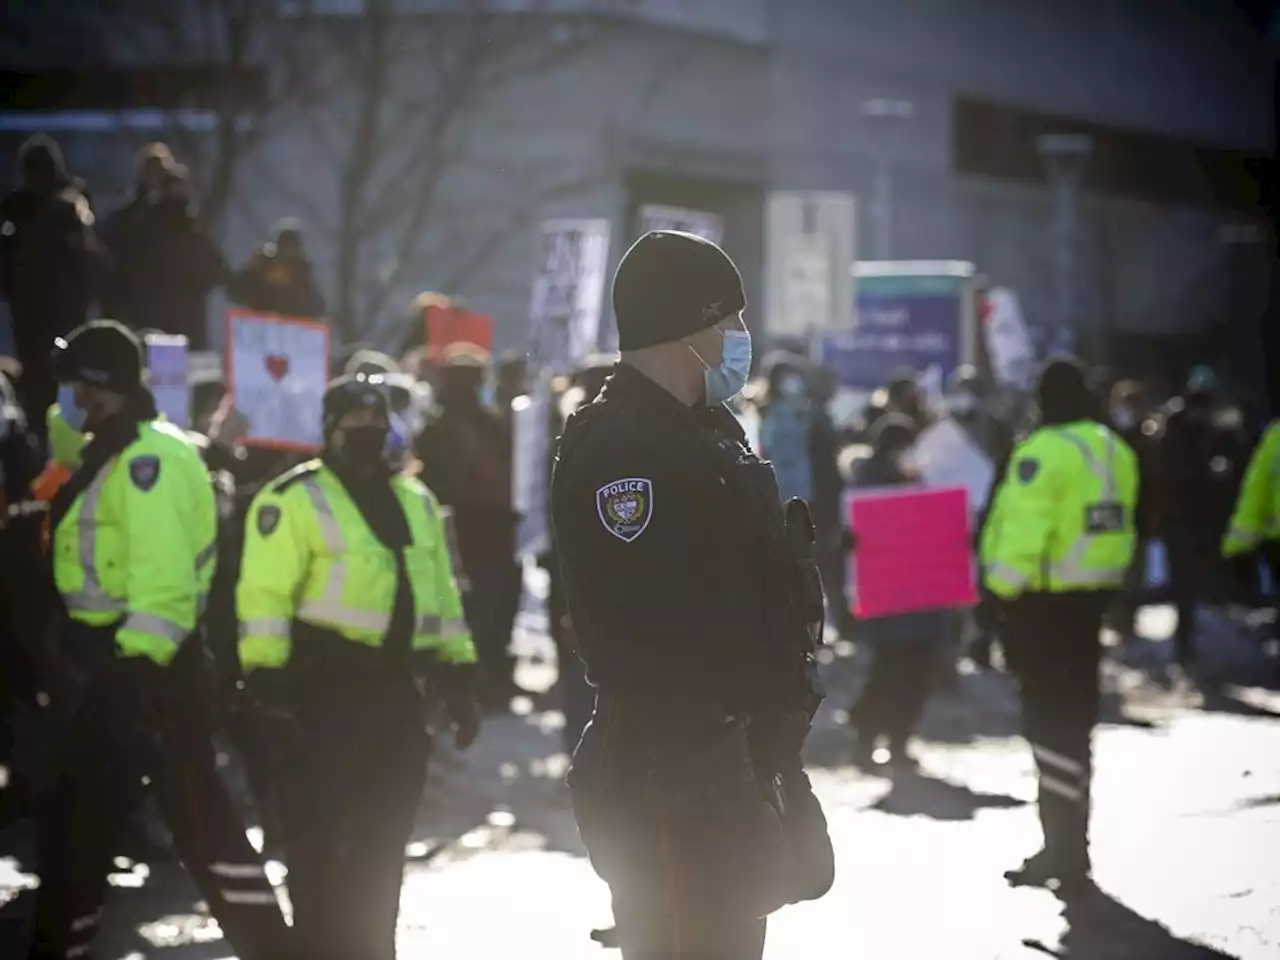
(1187, 814)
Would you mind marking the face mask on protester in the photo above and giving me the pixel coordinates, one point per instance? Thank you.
(72, 414)
(1125, 418)
(726, 380)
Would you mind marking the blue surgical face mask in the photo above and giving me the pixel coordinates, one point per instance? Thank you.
(397, 441)
(72, 414)
(725, 381)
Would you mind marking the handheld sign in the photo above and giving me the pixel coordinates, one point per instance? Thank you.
(949, 458)
(447, 325)
(530, 471)
(913, 552)
(167, 362)
(277, 370)
(568, 294)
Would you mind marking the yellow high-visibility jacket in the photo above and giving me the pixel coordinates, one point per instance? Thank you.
(1257, 514)
(1063, 519)
(137, 546)
(309, 556)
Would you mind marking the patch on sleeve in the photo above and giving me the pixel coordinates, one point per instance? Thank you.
(625, 507)
(144, 471)
(268, 519)
(1027, 469)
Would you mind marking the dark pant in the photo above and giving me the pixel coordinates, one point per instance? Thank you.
(349, 768)
(139, 720)
(665, 906)
(1195, 577)
(1053, 648)
(897, 687)
(492, 602)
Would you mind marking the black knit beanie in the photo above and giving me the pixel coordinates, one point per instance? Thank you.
(671, 284)
(1063, 392)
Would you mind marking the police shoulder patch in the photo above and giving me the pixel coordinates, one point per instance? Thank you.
(144, 471)
(1028, 467)
(625, 507)
(268, 519)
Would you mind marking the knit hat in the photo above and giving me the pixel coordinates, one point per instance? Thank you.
(1063, 392)
(102, 352)
(670, 285)
(350, 393)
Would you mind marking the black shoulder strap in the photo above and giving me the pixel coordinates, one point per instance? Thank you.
(93, 459)
(298, 473)
(397, 642)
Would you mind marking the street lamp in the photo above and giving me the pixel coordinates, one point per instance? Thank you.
(886, 118)
(1066, 157)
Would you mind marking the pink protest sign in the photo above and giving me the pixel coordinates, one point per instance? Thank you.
(913, 552)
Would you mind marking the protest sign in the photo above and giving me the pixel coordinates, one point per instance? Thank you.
(169, 378)
(568, 292)
(949, 457)
(913, 552)
(277, 369)
(700, 223)
(910, 314)
(809, 251)
(451, 324)
(1013, 358)
(530, 471)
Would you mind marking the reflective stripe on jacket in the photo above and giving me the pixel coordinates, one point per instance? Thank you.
(1257, 513)
(137, 545)
(1064, 517)
(310, 556)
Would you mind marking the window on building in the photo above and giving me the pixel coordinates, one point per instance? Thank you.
(998, 140)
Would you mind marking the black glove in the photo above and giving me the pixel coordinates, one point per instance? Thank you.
(457, 685)
(807, 597)
(776, 742)
(464, 714)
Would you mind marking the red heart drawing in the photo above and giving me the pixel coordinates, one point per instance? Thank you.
(276, 365)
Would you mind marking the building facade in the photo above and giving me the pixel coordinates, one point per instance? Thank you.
(711, 104)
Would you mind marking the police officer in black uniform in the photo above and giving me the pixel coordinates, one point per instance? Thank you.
(697, 608)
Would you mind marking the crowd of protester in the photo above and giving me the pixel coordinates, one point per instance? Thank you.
(151, 263)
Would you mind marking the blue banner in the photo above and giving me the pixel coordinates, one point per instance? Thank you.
(911, 322)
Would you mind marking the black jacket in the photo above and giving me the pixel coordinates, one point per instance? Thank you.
(666, 526)
(163, 266)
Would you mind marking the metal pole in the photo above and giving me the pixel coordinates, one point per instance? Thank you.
(886, 118)
(882, 210)
(1066, 157)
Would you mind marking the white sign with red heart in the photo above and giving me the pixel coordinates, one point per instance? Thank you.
(278, 368)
